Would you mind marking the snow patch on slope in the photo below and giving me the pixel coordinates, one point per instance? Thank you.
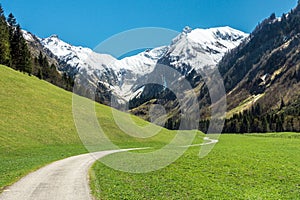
(27, 36)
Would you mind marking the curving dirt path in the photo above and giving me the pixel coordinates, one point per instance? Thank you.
(66, 179)
(207, 141)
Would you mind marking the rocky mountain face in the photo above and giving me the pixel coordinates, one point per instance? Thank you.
(265, 72)
(261, 78)
(44, 64)
(260, 68)
(36, 47)
(200, 49)
(102, 73)
(191, 53)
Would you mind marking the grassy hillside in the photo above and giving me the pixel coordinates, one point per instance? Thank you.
(239, 167)
(37, 127)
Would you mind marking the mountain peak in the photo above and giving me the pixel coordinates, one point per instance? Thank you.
(203, 47)
(211, 34)
(187, 29)
(54, 36)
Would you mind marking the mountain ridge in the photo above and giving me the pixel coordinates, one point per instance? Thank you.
(261, 78)
(119, 77)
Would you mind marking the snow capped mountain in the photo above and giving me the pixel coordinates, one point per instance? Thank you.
(141, 63)
(116, 76)
(192, 49)
(130, 69)
(75, 58)
(200, 48)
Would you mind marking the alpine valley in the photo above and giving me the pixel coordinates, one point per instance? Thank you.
(261, 73)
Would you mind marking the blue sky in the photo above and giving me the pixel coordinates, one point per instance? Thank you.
(89, 22)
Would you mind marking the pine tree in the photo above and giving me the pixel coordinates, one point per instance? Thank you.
(279, 123)
(273, 16)
(245, 127)
(13, 40)
(25, 59)
(15, 47)
(40, 59)
(11, 20)
(20, 54)
(4, 40)
(265, 125)
(257, 110)
(292, 124)
(282, 104)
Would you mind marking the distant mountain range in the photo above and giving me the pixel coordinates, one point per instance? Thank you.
(192, 49)
(260, 71)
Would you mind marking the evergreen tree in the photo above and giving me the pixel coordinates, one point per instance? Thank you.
(20, 54)
(13, 40)
(292, 124)
(265, 125)
(41, 59)
(15, 47)
(283, 18)
(4, 40)
(282, 104)
(257, 110)
(11, 20)
(245, 127)
(273, 16)
(1, 10)
(25, 58)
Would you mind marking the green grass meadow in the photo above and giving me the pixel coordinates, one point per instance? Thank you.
(37, 128)
(239, 167)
